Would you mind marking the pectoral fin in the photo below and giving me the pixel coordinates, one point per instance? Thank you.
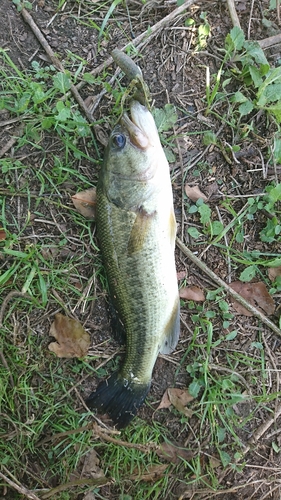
(139, 230)
(172, 331)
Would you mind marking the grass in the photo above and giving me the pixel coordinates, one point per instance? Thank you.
(49, 257)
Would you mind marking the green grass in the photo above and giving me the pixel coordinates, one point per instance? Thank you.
(49, 256)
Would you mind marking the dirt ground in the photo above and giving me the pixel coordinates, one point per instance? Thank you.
(174, 74)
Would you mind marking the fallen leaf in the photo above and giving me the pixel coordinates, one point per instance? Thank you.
(179, 399)
(85, 202)
(173, 452)
(72, 340)
(212, 189)
(165, 401)
(256, 294)
(194, 193)
(273, 272)
(2, 234)
(91, 465)
(152, 473)
(192, 293)
(181, 275)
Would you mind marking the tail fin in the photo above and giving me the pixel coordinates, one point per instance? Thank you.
(118, 398)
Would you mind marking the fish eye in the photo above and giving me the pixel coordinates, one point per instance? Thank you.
(119, 141)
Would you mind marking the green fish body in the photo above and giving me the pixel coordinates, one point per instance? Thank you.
(136, 228)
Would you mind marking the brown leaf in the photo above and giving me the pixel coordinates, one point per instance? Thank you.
(274, 272)
(179, 398)
(165, 401)
(194, 193)
(85, 202)
(91, 465)
(152, 473)
(181, 275)
(2, 234)
(192, 293)
(72, 340)
(256, 294)
(173, 452)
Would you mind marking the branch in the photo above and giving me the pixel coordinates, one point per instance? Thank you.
(18, 487)
(227, 288)
(233, 13)
(56, 62)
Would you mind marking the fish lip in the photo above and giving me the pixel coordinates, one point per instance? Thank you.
(137, 135)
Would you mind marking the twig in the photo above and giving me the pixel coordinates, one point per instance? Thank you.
(250, 19)
(18, 487)
(146, 35)
(227, 288)
(100, 481)
(18, 133)
(263, 428)
(233, 13)
(56, 62)
(268, 42)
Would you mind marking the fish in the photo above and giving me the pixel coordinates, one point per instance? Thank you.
(136, 229)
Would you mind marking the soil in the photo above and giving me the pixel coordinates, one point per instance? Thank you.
(175, 74)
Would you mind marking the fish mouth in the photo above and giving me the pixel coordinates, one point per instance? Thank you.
(139, 125)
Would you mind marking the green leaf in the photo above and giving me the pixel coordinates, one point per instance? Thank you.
(169, 155)
(231, 335)
(246, 108)
(61, 82)
(194, 232)
(64, 113)
(165, 117)
(257, 345)
(256, 76)
(217, 227)
(253, 49)
(237, 37)
(205, 213)
(195, 387)
(248, 274)
(225, 458)
(209, 137)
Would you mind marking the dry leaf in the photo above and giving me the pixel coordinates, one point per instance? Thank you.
(2, 234)
(72, 340)
(212, 189)
(85, 202)
(194, 193)
(91, 465)
(152, 473)
(173, 452)
(273, 272)
(256, 294)
(192, 293)
(181, 275)
(179, 399)
(165, 401)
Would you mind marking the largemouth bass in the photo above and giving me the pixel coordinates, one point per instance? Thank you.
(136, 228)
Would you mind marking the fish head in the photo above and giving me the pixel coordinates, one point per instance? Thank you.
(134, 146)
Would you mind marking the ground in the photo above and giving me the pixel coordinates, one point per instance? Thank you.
(51, 262)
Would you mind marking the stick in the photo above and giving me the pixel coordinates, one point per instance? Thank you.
(56, 62)
(227, 288)
(233, 13)
(21, 489)
(147, 35)
(268, 42)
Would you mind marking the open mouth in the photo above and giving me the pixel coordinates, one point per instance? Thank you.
(135, 125)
